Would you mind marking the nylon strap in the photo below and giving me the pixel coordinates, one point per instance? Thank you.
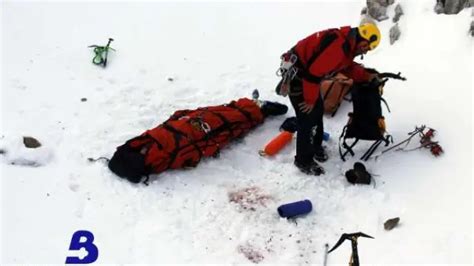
(245, 113)
(327, 39)
(177, 135)
(371, 150)
(386, 104)
(340, 98)
(329, 90)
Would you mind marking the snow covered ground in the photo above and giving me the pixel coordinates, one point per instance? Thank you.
(216, 52)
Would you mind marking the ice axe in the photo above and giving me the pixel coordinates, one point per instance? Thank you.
(354, 261)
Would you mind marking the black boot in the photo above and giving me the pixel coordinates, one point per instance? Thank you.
(311, 168)
(320, 155)
(273, 108)
(290, 125)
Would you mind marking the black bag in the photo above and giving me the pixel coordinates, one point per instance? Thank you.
(128, 163)
(290, 125)
(358, 175)
(366, 122)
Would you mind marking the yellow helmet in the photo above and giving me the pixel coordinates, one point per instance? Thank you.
(371, 33)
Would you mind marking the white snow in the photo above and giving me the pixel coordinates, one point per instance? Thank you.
(217, 52)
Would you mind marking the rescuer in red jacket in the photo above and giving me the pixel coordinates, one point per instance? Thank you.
(319, 56)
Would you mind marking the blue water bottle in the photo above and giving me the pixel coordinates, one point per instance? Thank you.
(293, 209)
(325, 136)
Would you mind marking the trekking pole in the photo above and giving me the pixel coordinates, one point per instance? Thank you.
(326, 248)
(406, 141)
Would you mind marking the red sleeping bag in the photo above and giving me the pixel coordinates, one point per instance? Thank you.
(185, 138)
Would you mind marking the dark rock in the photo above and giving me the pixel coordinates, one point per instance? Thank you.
(471, 30)
(439, 8)
(394, 33)
(31, 142)
(454, 6)
(83, 99)
(391, 223)
(384, 3)
(398, 13)
(3, 151)
(170, 79)
(377, 9)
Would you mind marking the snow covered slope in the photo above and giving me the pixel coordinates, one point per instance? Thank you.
(214, 53)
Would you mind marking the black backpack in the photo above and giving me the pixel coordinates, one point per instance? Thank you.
(366, 122)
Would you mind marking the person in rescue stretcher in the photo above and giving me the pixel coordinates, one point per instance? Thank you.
(188, 136)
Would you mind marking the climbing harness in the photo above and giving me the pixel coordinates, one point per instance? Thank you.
(287, 71)
(287, 63)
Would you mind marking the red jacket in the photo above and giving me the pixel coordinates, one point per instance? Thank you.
(338, 56)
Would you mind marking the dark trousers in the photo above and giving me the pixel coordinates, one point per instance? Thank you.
(310, 129)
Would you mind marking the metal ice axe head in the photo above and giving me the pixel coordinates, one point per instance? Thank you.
(353, 238)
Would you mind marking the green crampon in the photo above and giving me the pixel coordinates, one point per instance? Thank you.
(101, 53)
